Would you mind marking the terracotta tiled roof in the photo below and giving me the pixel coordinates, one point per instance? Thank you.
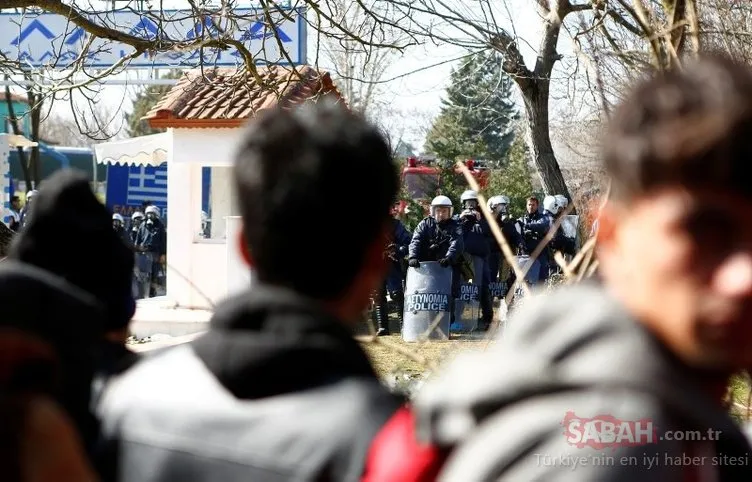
(228, 97)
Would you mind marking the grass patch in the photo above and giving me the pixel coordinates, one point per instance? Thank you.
(739, 397)
(387, 360)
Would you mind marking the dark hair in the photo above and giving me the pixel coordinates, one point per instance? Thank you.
(689, 127)
(15, 198)
(315, 185)
(533, 198)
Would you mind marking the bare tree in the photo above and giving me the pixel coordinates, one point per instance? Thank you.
(408, 126)
(726, 25)
(102, 123)
(478, 27)
(358, 67)
(218, 27)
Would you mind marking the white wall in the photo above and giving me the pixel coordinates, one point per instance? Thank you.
(208, 147)
(203, 262)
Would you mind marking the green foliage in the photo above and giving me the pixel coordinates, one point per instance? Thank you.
(415, 211)
(478, 114)
(514, 179)
(144, 100)
(452, 185)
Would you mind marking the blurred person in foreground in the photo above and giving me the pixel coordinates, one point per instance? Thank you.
(650, 350)
(38, 441)
(277, 389)
(69, 321)
(92, 256)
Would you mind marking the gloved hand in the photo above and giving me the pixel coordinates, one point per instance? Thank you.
(444, 262)
(413, 263)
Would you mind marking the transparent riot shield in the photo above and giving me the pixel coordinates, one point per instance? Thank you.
(467, 306)
(428, 290)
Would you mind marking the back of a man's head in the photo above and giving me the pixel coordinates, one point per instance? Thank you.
(315, 186)
(689, 128)
(674, 240)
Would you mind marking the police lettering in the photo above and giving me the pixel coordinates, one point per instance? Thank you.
(469, 292)
(496, 288)
(427, 302)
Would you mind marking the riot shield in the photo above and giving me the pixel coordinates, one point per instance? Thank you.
(467, 306)
(497, 288)
(428, 289)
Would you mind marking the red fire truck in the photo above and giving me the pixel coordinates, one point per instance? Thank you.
(421, 177)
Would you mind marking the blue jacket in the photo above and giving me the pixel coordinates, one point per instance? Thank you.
(402, 238)
(475, 236)
(433, 241)
(534, 228)
(509, 231)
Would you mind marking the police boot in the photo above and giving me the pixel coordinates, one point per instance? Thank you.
(486, 307)
(382, 318)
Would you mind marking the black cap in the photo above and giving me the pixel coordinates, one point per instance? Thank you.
(70, 234)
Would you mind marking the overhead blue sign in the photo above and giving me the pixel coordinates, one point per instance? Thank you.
(54, 41)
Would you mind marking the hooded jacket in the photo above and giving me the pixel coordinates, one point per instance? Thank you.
(276, 390)
(69, 320)
(70, 235)
(521, 411)
(573, 356)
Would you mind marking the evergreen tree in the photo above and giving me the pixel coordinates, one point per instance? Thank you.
(144, 100)
(478, 114)
(514, 180)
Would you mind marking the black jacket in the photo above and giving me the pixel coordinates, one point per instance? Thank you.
(276, 390)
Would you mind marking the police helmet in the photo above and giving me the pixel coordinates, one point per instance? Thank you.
(561, 201)
(31, 194)
(137, 215)
(498, 204)
(117, 217)
(442, 201)
(152, 210)
(468, 196)
(549, 204)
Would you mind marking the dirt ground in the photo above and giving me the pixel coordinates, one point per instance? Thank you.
(389, 354)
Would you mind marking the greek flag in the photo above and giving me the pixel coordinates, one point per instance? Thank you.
(147, 183)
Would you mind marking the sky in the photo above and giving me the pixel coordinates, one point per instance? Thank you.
(419, 76)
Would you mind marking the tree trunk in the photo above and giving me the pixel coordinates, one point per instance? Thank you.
(35, 101)
(536, 97)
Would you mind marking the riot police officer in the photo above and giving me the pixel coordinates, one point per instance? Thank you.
(152, 240)
(136, 219)
(499, 206)
(550, 211)
(476, 234)
(118, 225)
(561, 242)
(438, 237)
(532, 227)
(396, 251)
(25, 211)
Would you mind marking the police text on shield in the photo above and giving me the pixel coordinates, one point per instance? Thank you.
(427, 302)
